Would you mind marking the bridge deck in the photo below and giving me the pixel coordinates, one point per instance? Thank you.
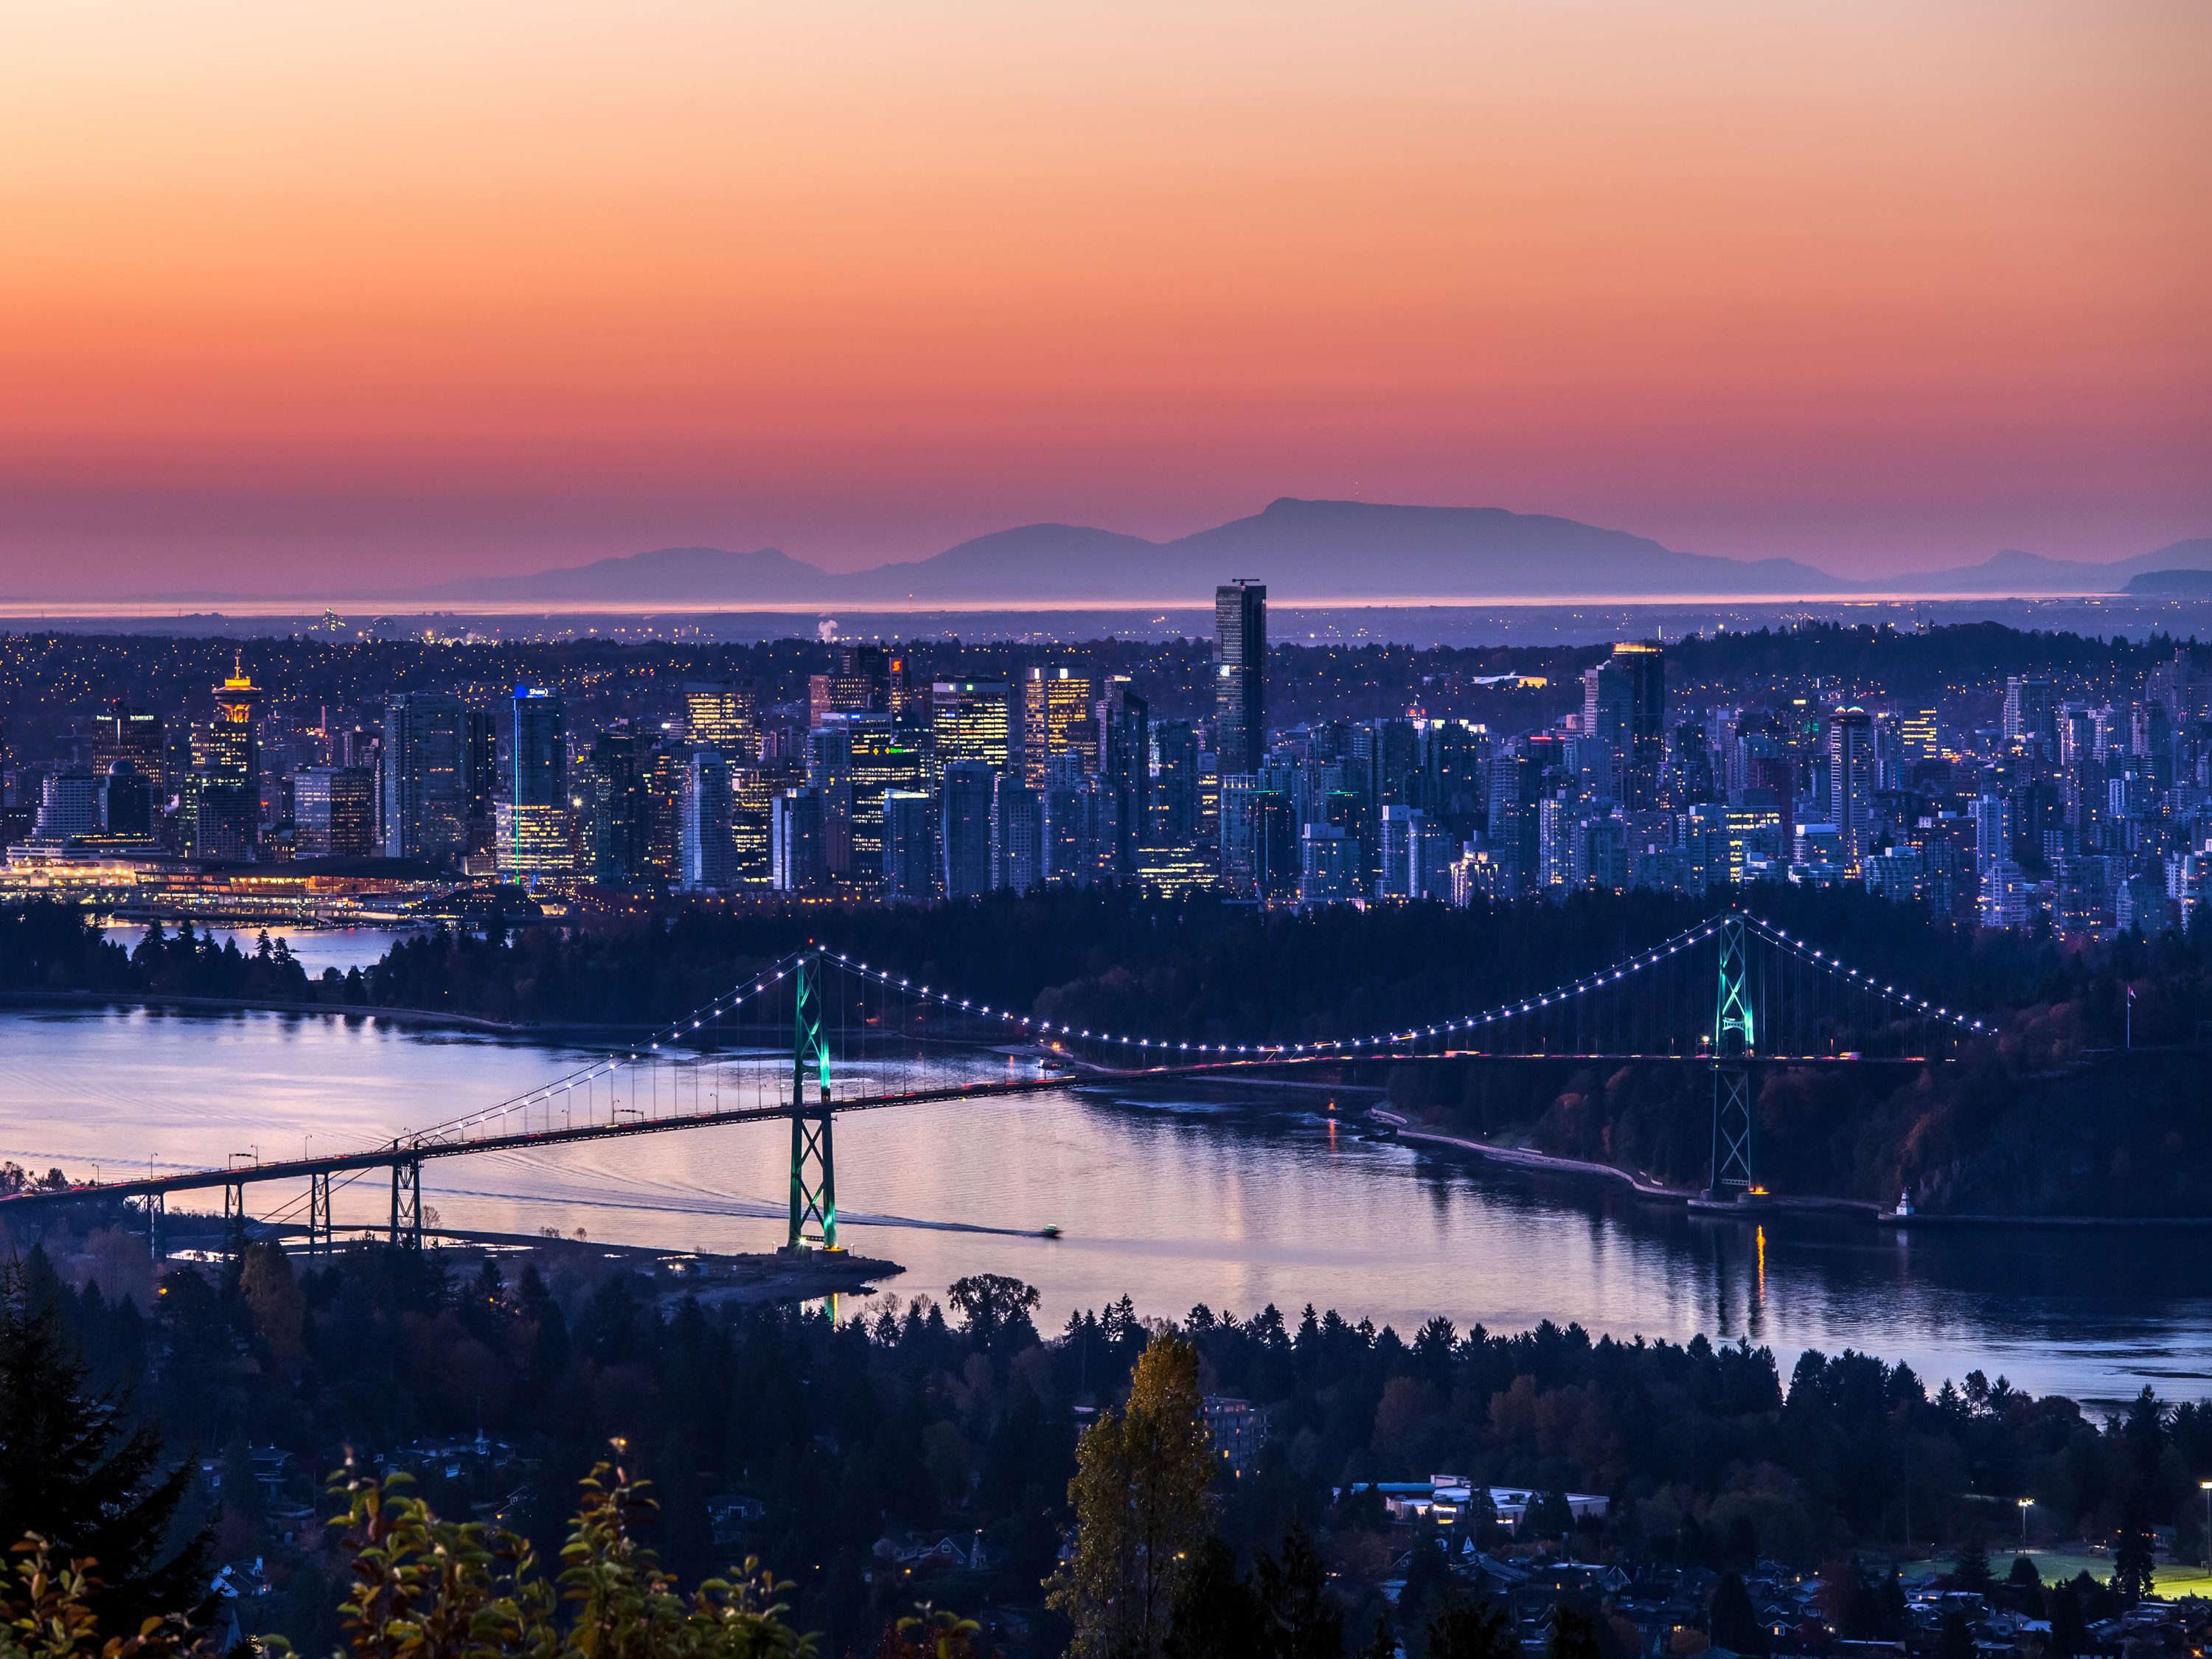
(409, 1152)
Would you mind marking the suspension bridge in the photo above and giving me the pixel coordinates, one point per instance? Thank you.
(821, 1033)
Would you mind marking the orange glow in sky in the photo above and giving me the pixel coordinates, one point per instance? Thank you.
(303, 294)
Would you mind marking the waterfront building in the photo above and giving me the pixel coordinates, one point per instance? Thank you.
(124, 733)
(70, 808)
(333, 812)
(126, 805)
(1240, 672)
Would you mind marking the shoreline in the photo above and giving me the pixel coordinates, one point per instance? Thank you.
(1693, 1199)
(550, 1032)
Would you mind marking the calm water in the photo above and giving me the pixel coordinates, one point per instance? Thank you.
(1171, 1200)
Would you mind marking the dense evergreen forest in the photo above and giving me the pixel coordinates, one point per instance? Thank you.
(824, 1449)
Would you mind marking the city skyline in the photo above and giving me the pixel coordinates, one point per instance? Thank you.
(403, 296)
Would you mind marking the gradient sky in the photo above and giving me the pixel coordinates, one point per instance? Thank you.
(295, 296)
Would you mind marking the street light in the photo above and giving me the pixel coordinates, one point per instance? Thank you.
(2026, 1504)
(2206, 1486)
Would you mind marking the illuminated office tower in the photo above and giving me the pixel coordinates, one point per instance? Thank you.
(425, 798)
(971, 721)
(333, 812)
(135, 735)
(909, 845)
(233, 747)
(707, 852)
(1056, 707)
(723, 714)
(1924, 738)
(533, 815)
(1240, 674)
(1851, 780)
(860, 685)
(223, 804)
(753, 792)
(882, 759)
(663, 793)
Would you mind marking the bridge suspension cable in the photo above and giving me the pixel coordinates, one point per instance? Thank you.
(1604, 978)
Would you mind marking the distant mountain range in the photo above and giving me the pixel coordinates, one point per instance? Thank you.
(1336, 551)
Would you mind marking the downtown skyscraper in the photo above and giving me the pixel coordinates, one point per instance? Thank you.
(1240, 672)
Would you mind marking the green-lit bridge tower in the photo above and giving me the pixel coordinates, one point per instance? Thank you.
(813, 1171)
(1735, 1124)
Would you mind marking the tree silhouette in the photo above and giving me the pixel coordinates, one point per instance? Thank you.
(74, 1470)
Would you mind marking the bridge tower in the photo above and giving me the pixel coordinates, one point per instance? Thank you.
(320, 1239)
(813, 1170)
(406, 1202)
(1735, 1122)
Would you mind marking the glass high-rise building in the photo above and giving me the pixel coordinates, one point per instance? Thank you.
(334, 811)
(1056, 708)
(425, 792)
(124, 733)
(723, 714)
(534, 816)
(1240, 673)
(708, 853)
(1851, 782)
(971, 721)
(1643, 736)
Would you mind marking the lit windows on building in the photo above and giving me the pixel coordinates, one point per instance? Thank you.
(535, 843)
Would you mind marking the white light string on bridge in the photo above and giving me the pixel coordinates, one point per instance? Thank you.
(1920, 1006)
(655, 1047)
(1613, 974)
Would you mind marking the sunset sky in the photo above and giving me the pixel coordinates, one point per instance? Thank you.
(295, 296)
